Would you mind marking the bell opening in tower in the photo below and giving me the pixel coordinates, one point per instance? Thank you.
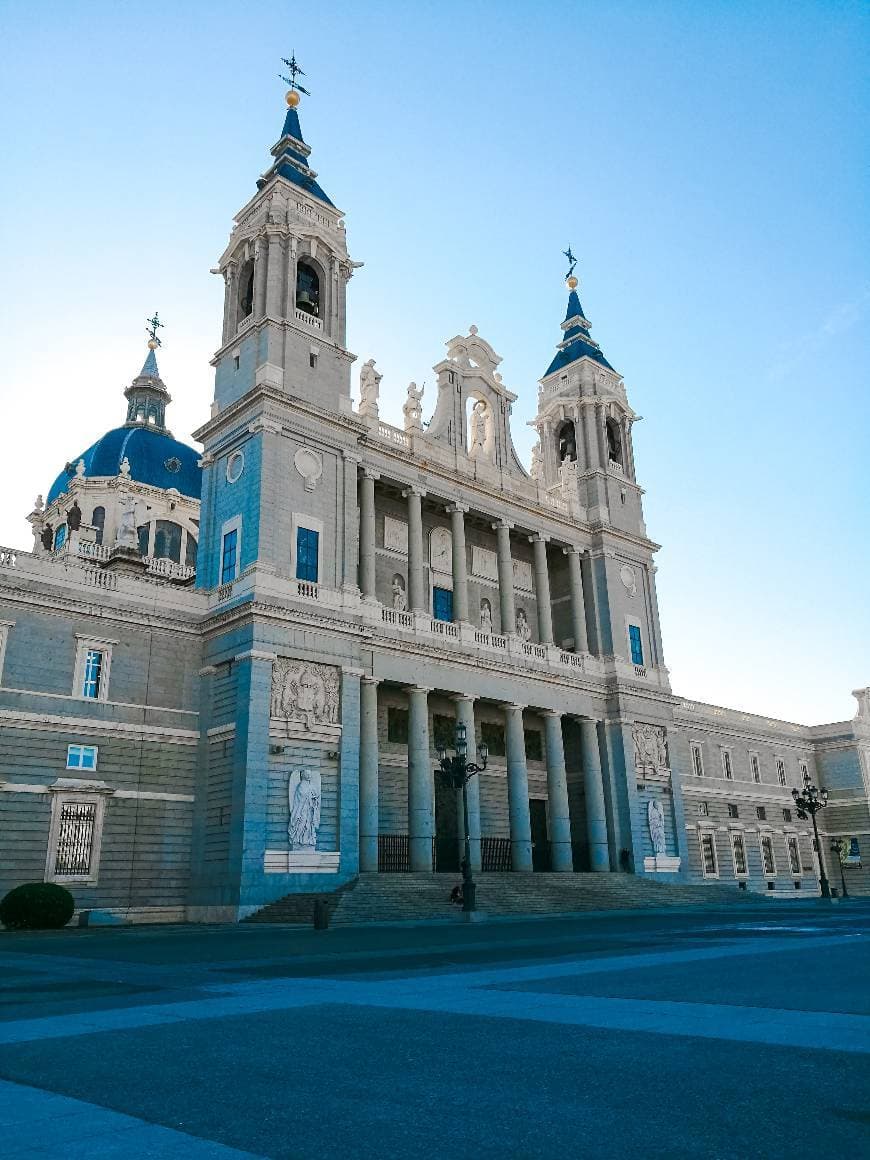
(566, 442)
(307, 289)
(614, 441)
(246, 289)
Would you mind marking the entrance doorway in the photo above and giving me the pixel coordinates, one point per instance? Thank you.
(446, 828)
(540, 841)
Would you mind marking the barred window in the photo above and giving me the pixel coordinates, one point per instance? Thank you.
(739, 848)
(697, 761)
(75, 840)
(756, 768)
(708, 855)
(780, 771)
(727, 767)
(794, 856)
(767, 858)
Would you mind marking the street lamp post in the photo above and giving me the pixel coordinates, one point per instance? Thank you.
(454, 772)
(837, 847)
(810, 802)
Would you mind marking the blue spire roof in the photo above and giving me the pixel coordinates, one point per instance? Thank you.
(149, 367)
(577, 342)
(291, 159)
(292, 128)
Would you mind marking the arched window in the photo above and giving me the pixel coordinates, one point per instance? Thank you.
(167, 541)
(566, 442)
(246, 289)
(140, 412)
(307, 289)
(190, 552)
(98, 521)
(614, 441)
(60, 537)
(143, 532)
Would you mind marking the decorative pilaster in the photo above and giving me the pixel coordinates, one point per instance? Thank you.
(349, 757)
(417, 595)
(518, 789)
(593, 784)
(460, 569)
(505, 577)
(561, 858)
(421, 817)
(465, 716)
(602, 442)
(542, 588)
(368, 775)
(367, 533)
(260, 263)
(578, 604)
(274, 277)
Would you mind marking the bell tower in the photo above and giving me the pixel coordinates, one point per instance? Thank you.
(285, 272)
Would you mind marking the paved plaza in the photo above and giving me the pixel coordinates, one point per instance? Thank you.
(655, 1034)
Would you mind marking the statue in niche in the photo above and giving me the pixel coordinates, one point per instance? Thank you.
(303, 793)
(127, 536)
(305, 691)
(369, 389)
(524, 629)
(481, 429)
(650, 747)
(536, 471)
(400, 600)
(486, 616)
(655, 816)
(567, 443)
(412, 408)
(46, 537)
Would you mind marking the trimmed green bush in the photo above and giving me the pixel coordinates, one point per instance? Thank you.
(37, 906)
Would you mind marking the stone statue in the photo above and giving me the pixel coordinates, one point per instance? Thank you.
(524, 629)
(303, 792)
(80, 469)
(650, 747)
(412, 408)
(127, 536)
(655, 816)
(124, 469)
(536, 471)
(46, 537)
(486, 616)
(39, 505)
(369, 389)
(74, 516)
(305, 691)
(479, 428)
(400, 602)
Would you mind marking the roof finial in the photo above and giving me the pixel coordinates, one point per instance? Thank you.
(295, 89)
(569, 277)
(154, 324)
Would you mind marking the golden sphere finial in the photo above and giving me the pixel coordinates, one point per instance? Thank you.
(572, 283)
(292, 98)
(153, 344)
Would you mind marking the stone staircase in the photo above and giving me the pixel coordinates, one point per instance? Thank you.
(416, 897)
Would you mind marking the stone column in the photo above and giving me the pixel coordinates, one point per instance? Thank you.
(518, 789)
(593, 783)
(421, 812)
(602, 441)
(465, 715)
(629, 450)
(259, 277)
(505, 577)
(460, 568)
(350, 543)
(561, 857)
(542, 588)
(230, 293)
(348, 771)
(417, 601)
(368, 776)
(578, 605)
(274, 277)
(367, 533)
(589, 445)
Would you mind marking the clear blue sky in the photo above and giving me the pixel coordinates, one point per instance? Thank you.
(706, 161)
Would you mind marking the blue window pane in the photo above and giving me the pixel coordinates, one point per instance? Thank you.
(307, 553)
(636, 645)
(228, 558)
(442, 604)
(60, 537)
(93, 673)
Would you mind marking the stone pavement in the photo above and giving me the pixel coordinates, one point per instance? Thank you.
(662, 1034)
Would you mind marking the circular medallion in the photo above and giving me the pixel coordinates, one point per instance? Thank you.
(172, 464)
(309, 465)
(235, 466)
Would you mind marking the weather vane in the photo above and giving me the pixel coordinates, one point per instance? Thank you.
(154, 324)
(572, 260)
(295, 71)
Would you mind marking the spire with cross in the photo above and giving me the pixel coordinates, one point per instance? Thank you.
(295, 71)
(154, 324)
(572, 260)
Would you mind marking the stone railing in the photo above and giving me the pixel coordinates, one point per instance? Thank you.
(570, 660)
(307, 590)
(97, 578)
(8, 557)
(225, 591)
(394, 435)
(88, 550)
(640, 670)
(616, 466)
(168, 568)
(443, 627)
(490, 640)
(245, 322)
(307, 211)
(399, 619)
(309, 319)
(538, 651)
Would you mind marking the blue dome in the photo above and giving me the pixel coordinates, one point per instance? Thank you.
(155, 458)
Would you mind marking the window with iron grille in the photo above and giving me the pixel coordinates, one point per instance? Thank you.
(761, 813)
(767, 859)
(727, 767)
(703, 810)
(697, 761)
(794, 856)
(534, 745)
(307, 554)
(492, 734)
(780, 770)
(755, 766)
(733, 811)
(708, 855)
(786, 815)
(75, 839)
(739, 848)
(397, 725)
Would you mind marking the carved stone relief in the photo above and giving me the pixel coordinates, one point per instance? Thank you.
(309, 464)
(484, 563)
(395, 535)
(305, 691)
(628, 576)
(441, 550)
(523, 575)
(650, 747)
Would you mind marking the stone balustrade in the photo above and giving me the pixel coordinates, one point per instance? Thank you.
(309, 319)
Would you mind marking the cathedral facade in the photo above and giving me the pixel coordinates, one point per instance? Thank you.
(226, 673)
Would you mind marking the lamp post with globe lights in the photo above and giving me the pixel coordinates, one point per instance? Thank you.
(809, 802)
(455, 772)
(838, 846)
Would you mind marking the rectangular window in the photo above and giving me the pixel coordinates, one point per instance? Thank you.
(767, 859)
(780, 771)
(443, 731)
(75, 840)
(492, 735)
(703, 810)
(755, 767)
(733, 811)
(786, 815)
(794, 857)
(534, 744)
(442, 604)
(307, 554)
(81, 757)
(804, 770)
(229, 556)
(5, 625)
(739, 848)
(312, 359)
(92, 680)
(397, 725)
(761, 813)
(727, 767)
(636, 644)
(708, 855)
(697, 761)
